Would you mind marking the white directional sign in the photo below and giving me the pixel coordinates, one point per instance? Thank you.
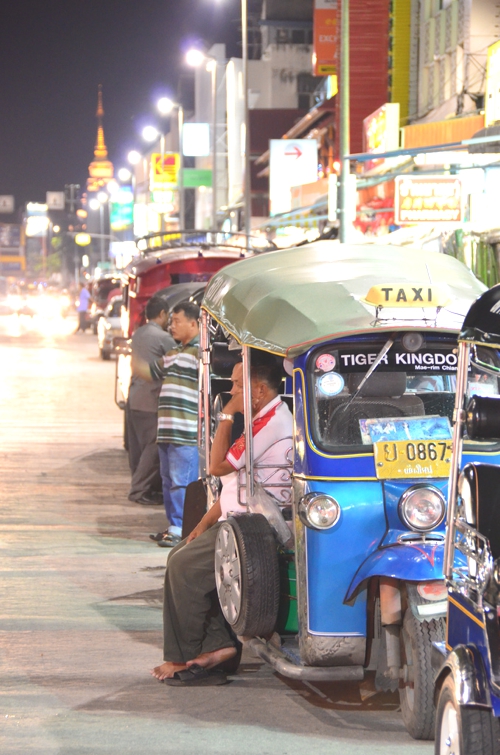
(55, 200)
(293, 162)
(6, 203)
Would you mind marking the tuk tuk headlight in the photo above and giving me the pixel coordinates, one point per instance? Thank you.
(319, 511)
(422, 508)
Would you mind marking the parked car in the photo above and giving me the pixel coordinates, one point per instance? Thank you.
(109, 326)
(101, 291)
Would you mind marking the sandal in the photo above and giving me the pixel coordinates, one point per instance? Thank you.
(197, 676)
(159, 536)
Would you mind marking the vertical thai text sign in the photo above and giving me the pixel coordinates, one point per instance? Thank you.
(325, 37)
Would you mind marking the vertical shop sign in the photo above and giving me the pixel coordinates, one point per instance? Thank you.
(325, 37)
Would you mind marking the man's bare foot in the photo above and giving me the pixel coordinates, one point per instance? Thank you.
(209, 660)
(167, 670)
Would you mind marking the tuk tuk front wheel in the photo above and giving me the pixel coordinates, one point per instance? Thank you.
(247, 574)
(463, 730)
(416, 685)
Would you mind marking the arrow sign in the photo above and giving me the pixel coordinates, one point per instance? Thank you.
(293, 151)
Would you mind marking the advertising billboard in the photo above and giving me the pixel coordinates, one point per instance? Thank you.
(492, 94)
(428, 199)
(121, 209)
(196, 140)
(381, 132)
(325, 37)
(164, 170)
(293, 162)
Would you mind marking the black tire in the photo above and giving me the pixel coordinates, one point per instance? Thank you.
(105, 354)
(416, 691)
(247, 575)
(472, 731)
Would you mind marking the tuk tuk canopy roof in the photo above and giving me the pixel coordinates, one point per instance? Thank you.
(286, 301)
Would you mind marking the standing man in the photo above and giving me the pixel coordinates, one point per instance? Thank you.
(177, 416)
(150, 342)
(82, 307)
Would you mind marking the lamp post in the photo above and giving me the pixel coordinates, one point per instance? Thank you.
(195, 58)
(165, 106)
(98, 203)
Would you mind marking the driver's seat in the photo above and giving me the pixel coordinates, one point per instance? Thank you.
(383, 395)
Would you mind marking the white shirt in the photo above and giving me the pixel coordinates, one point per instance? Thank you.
(272, 429)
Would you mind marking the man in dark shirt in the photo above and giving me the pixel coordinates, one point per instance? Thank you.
(150, 342)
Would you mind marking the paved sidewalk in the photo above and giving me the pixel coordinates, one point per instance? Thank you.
(80, 591)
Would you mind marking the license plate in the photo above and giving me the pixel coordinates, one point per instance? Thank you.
(396, 460)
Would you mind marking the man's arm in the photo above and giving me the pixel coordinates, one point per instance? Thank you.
(219, 466)
(211, 517)
(141, 368)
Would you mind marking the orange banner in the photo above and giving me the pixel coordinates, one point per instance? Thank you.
(325, 39)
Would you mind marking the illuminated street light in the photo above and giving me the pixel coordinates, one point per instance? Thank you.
(124, 174)
(103, 197)
(94, 204)
(165, 105)
(195, 58)
(150, 133)
(134, 157)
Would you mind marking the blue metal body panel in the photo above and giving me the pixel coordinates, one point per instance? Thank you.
(364, 543)
(465, 626)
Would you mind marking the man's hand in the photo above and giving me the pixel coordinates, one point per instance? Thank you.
(198, 530)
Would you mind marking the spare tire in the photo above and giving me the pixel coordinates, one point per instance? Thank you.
(247, 574)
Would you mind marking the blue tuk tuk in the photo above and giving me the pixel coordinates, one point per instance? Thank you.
(368, 335)
(468, 684)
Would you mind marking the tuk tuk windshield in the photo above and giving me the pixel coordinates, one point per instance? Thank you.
(417, 386)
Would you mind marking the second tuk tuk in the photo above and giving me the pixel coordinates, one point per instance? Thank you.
(468, 683)
(368, 337)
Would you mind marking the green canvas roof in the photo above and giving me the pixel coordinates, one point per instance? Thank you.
(286, 301)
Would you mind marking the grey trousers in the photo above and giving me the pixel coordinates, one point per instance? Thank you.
(192, 620)
(143, 456)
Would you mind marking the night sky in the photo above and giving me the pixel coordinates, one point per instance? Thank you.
(53, 55)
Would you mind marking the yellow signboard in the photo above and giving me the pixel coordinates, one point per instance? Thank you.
(164, 170)
(492, 95)
(409, 459)
(415, 295)
(428, 199)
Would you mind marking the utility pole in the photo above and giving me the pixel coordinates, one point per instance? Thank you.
(344, 143)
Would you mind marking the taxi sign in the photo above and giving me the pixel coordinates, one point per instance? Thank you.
(404, 459)
(417, 295)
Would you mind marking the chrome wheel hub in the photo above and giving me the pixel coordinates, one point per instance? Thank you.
(227, 573)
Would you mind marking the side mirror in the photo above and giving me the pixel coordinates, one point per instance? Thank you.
(483, 418)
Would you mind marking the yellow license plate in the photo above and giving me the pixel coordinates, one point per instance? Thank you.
(396, 460)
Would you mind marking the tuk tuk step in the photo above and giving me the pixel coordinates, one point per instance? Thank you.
(284, 666)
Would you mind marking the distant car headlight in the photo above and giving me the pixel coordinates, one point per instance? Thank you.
(422, 508)
(319, 511)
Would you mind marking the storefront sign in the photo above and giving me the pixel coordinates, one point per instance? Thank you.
(292, 162)
(381, 132)
(164, 170)
(6, 203)
(492, 95)
(426, 199)
(121, 209)
(325, 37)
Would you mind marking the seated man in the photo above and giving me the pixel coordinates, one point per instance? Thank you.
(195, 632)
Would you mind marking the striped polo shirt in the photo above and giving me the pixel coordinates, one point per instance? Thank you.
(178, 401)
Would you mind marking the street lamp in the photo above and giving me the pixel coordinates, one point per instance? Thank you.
(165, 106)
(195, 58)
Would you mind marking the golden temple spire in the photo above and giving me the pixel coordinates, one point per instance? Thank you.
(100, 151)
(100, 169)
